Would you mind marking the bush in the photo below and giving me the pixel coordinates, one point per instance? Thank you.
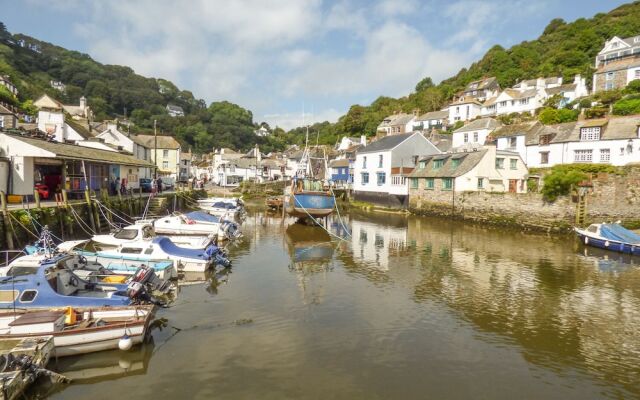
(609, 96)
(596, 112)
(633, 86)
(627, 107)
(559, 183)
(550, 116)
(585, 103)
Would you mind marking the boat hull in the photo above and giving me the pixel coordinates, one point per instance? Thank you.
(620, 247)
(305, 204)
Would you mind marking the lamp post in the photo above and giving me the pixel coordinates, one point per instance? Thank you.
(155, 148)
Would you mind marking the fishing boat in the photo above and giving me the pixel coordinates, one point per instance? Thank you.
(158, 249)
(81, 330)
(610, 237)
(196, 224)
(144, 232)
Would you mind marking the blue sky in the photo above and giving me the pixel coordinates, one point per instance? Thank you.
(278, 57)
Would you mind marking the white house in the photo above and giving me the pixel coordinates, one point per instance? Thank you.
(464, 109)
(482, 89)
(613, 141)
(262, 131)
(51, 119)
(484, 169)
(432, 120)
(348, 142)
(474, 133)
(174, 110)
(131, 144)
(381, 168)
(397, 124)
(57, 85)
(515, 137)
(617, 64)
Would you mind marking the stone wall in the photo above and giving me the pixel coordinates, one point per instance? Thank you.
(382, 199)
(619, 79)
(611, 198)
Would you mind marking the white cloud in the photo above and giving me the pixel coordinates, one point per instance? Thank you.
(289, 120)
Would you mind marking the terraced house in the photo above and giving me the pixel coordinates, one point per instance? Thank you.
(617, 64)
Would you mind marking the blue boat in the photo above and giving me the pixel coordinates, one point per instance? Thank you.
(53, 285)
(610, 237)
(308, 198)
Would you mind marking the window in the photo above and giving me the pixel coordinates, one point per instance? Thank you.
(605, 155)
(503, 104)
(423, 164)
(165, 153)
(381, 178)
(475, 137)
(437, 164)
(380, 161)
(513, 141)
(582, 155)
(457, 110)
(608, 86)
(636, 75)
(1, 121)
(544, 140)
(544, 157)
(447, 183)
(466, 137)
(28, 296)
(610, 76)
(480, 183)
(499, 163)
(621, 151)
(455, 163)
(414, 183)
(524, 101)
(364, 162)
(365, 178)
(590, 133)
(513, 163)
(398, 180)
(429, 184)
(165, 165)
(130, 250)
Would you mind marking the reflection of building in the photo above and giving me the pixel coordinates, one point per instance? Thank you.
(373, 244)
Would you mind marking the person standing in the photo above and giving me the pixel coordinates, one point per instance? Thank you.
(159, 183)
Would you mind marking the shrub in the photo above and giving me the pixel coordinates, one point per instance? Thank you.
(627, 107)
(596, 112)
(559, 183)
(633, 86)
(553, 116)
(585, 103)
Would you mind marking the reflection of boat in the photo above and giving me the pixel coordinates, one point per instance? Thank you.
(607, 261)
(610, 237)
(308, 245)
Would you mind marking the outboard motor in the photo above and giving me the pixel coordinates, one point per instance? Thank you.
(218, 256)
(137, 292)
(147, 277)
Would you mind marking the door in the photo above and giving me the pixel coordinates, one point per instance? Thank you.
(513, 185)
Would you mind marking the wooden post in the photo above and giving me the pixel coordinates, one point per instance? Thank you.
(87, 198)
(5, 215)
(65, 203)
(36, 197)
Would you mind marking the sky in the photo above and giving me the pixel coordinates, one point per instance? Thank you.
(291, 61)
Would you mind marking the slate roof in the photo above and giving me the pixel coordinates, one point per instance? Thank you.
(75, 152)
(478, 124)
(339, 163)
(164, 142)
(386, 143)
(615, 128)
(78, 127)
(395, 120)
(465, 100)
(467, 162)
(46, 101)
(625, 63)
(433, 115)
(4, 110)
(555, 80)
(569, 87)
(516, 94)
(481, 84)
(524, 128)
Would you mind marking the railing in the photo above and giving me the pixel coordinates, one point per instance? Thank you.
(7, 256)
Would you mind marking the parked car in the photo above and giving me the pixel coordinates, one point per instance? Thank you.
(43, 191)
(146, 185)
(168, 183)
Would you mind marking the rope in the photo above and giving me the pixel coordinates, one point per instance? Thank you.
(316, 221)
(80, 221)
(42, 227)
(338, 211)
(111, 224)
(114, 213)
(23, 227)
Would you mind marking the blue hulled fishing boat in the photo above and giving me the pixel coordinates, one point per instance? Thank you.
(610, 237)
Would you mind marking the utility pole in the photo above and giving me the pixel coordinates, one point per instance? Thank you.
(155, 148)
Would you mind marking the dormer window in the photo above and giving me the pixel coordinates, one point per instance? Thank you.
(614, 45)
(636, 39)
(544, 140)
(587, 134)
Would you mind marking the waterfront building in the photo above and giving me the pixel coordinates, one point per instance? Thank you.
(381, 168)
(514, 137)
(27, 160)
(617, 64)
(485, 169)
(52, 119)
(131, 144)
(340, 172)
(474, 133)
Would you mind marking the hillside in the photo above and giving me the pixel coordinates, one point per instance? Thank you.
(563, 49)
(114, 90)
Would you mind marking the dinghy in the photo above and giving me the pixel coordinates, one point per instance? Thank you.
(610, 237)
(81, 330)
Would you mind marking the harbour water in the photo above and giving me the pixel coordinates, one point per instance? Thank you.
(405, 308)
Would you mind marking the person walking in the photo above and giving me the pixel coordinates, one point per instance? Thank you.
(159, 183)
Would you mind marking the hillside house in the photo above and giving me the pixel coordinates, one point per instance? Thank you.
(432, 120)
(52, 120)
(381, 168)
(617, 64)
(474, 133)
(174, 110)
(464, 109)
(8, 119)
(396, 124)
(482, 89)
(262, 131)
(514, 137)
(6, 82)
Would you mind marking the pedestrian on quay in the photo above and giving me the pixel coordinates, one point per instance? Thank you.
(159, 183)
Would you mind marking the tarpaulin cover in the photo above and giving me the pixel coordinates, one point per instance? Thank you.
(171, 248)
(618, 233)
(202, 216)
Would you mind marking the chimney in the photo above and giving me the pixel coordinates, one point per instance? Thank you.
(83, 103)
(577, 79)
(523, 85)
(416, 112)
(363, 140)
(540, 83)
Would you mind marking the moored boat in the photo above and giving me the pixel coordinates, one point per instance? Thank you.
(610, 237)
(196, 223)
(144, 231)
(308, 198)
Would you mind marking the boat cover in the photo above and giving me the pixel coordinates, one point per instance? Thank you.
(202, 216)
(171, 248)
(618, 233)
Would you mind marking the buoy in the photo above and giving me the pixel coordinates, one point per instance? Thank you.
(606, 243)
(125, 343)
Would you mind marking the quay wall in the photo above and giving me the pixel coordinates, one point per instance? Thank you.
(611, 198)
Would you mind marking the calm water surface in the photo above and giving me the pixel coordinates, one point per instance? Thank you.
(406, 308)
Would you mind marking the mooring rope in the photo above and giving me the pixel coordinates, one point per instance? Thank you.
(338, 211)
(80, 221)
(23, 227)
(316, 221)
(115, 214)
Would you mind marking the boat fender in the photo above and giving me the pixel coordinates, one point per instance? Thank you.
(586, 240)
(606, 243)
(125, 343)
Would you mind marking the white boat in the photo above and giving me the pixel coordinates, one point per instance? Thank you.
(143, 231)
(81, 331)
(196, 223)
(221, 206)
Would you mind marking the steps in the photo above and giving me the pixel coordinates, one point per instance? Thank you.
(581, 210)
(158, 206)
